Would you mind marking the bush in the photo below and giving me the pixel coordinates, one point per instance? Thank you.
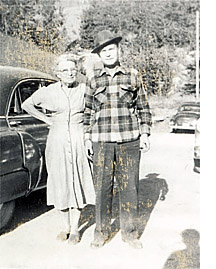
(41, 22)
(151, 31)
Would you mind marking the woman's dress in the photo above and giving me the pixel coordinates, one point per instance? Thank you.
(69, 182)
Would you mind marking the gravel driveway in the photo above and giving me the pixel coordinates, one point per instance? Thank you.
(31, 240)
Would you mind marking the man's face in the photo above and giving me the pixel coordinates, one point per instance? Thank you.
(109, 54)
(67, 72)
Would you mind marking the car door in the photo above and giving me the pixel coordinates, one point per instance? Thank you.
(33, 132)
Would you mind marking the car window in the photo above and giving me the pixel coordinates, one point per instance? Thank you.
(20, 94)
(15, 105)
(46, 82)
(195, 109)
(23, 91)
(26, 89)
(190, 108)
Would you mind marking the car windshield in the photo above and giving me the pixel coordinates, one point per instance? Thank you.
(190, 108)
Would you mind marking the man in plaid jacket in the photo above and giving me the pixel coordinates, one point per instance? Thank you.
(117, 123)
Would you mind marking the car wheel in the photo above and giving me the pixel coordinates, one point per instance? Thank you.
(6, 213)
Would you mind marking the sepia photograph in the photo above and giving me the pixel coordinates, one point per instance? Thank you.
(100, 134)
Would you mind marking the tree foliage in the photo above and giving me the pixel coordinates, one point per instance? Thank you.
(146, 23)
(151, 31)
(39, 21)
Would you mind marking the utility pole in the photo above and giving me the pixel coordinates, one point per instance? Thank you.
(197, 55)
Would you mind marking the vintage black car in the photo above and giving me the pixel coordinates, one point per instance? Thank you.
(22, 138)
(186, 117)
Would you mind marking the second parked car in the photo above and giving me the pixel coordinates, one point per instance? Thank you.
(186, 117)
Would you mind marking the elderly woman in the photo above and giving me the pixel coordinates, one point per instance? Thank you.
(69, 183)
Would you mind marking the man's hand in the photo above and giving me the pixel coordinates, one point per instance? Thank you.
(144, 143)
(89, 149)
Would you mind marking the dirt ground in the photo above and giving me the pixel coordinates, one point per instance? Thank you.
(30, 241)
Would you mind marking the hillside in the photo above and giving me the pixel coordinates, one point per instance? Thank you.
(16, 52)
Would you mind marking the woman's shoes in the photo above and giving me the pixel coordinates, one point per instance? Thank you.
(74, 239)
(62, 236)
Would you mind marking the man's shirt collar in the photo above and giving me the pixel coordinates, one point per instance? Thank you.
(118, 69)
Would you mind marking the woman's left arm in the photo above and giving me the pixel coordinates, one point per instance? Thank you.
(29, 106)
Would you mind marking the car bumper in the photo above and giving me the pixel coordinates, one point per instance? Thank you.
(183, 127)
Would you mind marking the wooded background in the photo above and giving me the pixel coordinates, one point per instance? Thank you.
(159, 37)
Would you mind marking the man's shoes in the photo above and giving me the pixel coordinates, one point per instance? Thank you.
(73, 239)
(97, 243)
(62, 236)
(134, 243)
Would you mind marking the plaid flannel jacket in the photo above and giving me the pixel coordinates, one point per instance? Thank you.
(116, 107)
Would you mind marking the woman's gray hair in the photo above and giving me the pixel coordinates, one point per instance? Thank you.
(65, 57)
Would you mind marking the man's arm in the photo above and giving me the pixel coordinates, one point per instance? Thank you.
(143, 111)
(88, 115)
(144, 116)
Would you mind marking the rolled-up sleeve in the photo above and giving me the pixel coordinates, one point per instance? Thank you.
(40, 97)
(143, 110)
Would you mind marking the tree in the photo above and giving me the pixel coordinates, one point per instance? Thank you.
(151, 30)
(35, 20)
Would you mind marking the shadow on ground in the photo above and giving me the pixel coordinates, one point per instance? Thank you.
(26, 209)
(151, 189)
(87, 219)
(188, 257)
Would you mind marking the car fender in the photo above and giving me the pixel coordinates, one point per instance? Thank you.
(11, 152)
(14, 177)
(32, 159)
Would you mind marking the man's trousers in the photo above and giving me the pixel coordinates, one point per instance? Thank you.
(122, 161)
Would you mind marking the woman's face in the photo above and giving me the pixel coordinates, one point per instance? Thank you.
(67, 72)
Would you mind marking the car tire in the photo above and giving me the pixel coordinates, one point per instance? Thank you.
(6, 213)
